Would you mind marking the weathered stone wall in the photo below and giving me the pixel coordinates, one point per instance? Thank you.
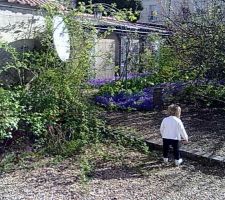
(19, 27)
(165, 8)
(19, 23)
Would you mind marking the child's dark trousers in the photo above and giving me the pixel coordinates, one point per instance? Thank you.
(166, 145)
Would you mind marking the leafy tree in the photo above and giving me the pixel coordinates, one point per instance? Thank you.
(198, 39)
(134, 5)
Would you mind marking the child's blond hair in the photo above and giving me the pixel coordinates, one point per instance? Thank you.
(174, 110)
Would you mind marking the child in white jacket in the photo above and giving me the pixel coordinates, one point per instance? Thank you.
(172, 131)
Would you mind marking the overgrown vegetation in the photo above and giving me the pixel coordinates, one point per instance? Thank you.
(133, 7)
(159, 66)
(52, 105)
(198, 41)
(46, 106)
(192, 54)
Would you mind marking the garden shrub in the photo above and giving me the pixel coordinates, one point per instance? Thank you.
(52, 107)
(137, 93)
(10, 110)
(204, 95)
(163, 65)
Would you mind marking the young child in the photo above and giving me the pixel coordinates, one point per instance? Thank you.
(172, 130)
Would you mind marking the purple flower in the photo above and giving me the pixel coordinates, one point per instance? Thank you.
(142, 100)
(100, 82)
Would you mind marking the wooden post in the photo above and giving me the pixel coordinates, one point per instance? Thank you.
(157, 98)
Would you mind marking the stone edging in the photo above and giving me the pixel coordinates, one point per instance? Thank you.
(204, 158)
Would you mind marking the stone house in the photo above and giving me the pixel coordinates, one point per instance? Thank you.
(125, 38)
(157, 11)
(20, 20)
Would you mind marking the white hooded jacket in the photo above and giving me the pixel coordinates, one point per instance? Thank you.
(173, 128)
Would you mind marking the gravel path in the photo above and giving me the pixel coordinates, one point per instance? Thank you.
(136, 176)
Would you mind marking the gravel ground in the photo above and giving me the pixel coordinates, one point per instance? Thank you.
(135, 176)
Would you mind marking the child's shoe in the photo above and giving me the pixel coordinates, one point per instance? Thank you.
(165, 160)
(178, 162)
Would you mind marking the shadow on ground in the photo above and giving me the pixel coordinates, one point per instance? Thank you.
(205, 127)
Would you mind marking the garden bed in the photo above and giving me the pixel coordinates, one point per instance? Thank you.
(141, 100)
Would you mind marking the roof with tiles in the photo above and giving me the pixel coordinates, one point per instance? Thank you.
(121, 25)
(32, 3)
(104, 21)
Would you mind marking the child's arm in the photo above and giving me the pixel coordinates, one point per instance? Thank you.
(162, 128)
(183, 131)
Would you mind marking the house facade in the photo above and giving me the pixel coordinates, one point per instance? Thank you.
(20, 21)
(127, 41)
(158, 11)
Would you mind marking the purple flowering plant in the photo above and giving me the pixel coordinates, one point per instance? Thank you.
(142, 100)
(101, 82)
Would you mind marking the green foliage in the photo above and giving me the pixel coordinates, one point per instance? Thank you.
(128, 86)
(132, 7)
(204, 95)
(199, 43)
(10, 110)
(127, 138)
(162, 65)
(7, 163)
(86, 168)
(51, 104)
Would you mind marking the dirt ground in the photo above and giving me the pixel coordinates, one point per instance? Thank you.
(127, 174)
(206, 128)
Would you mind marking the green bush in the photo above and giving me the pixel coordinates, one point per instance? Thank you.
(10, 111)
(162, 66)
(128, 86)
(52, 107)
(209, 95)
